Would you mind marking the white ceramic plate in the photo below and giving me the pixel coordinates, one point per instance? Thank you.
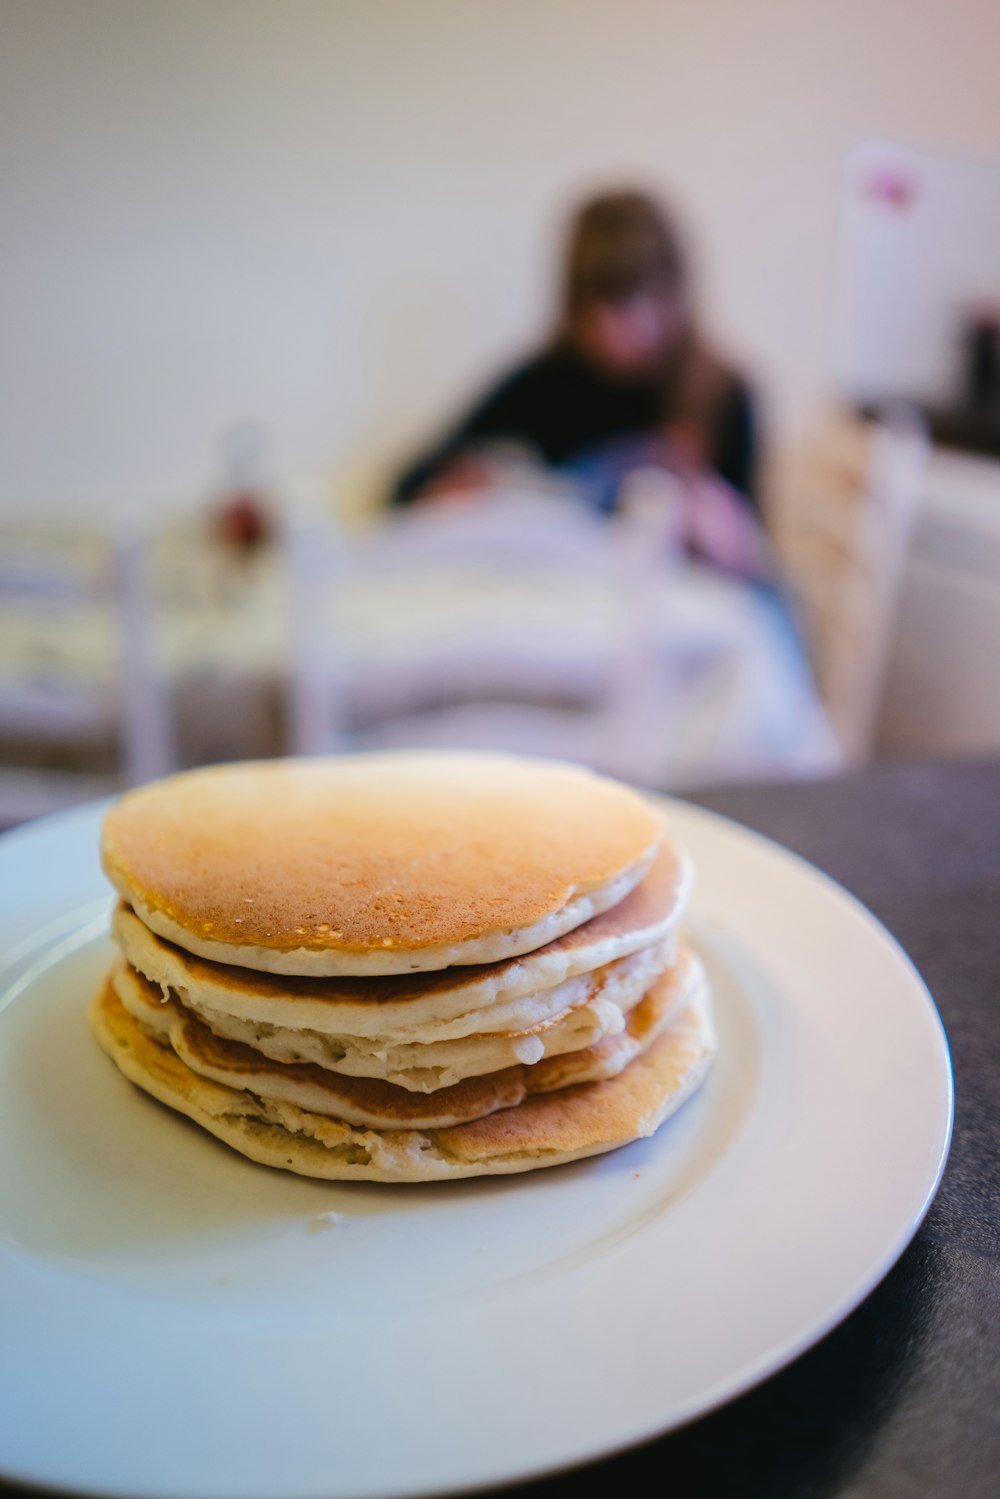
(177, 1321)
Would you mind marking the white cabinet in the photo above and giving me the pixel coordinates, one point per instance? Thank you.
(942, 695)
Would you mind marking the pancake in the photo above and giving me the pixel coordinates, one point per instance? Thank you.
(376, 864)
(380, 1105)
(507, 996)
(679, 986)
(601, 1001)
(582, 1120)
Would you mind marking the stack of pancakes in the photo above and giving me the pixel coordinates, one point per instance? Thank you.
(403, 967)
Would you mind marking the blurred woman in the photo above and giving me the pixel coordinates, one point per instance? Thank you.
(626, 381)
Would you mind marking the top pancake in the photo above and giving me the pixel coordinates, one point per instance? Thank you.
(376, 864)
(513, 995)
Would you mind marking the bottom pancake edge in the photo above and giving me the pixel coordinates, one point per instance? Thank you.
(548, 1129)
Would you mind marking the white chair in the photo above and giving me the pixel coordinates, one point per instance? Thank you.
(846, 550)
(500, 609)
(79, 683)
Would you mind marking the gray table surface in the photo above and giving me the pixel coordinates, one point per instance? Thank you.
(902, 1401)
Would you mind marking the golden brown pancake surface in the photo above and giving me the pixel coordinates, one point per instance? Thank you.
(371, 854)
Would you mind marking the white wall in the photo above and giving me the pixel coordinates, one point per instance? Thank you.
(336, 216)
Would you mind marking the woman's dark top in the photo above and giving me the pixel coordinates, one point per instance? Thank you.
(562, 408)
